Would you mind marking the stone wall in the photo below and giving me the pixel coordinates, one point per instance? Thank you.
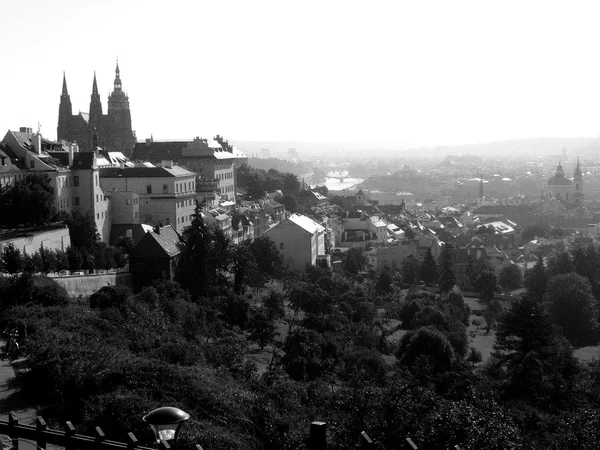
(86, 285)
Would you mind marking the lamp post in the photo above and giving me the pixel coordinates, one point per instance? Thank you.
(166, 423)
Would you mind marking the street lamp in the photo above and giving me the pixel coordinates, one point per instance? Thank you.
(166, 422)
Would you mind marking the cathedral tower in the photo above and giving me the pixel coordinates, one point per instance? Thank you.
(95, 105)
(65, 110)
(119, 118)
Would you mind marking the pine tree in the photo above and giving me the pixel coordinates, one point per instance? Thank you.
(447, 278)
(194, 244)
(429, 268)
(536, 280)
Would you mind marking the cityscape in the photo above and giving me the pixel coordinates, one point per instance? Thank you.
(290, 240)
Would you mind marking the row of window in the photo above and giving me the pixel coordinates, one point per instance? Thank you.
(184, 187)
(225, 176)
(184, 219)
(101, 215)
(184, 203)
(68, 181)
(225, 189)
(66, 203)
(101, 197)
(135, 201)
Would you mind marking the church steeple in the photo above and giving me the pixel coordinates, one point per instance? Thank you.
(480, 185)
(559, 170)
(95, 105)
(65, 92)
(117, 78)
(65, 111)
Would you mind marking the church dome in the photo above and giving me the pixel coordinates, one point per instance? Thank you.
(557, 180)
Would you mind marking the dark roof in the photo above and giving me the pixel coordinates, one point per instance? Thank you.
(155, 245)
(159, 150)
(83, 160)
(144, 172)
(62, 157)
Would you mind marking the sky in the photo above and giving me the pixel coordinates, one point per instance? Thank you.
(403, 72)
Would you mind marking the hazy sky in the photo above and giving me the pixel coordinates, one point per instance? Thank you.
(414, 72)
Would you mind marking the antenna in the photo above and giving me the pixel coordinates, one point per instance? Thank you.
(39, 127)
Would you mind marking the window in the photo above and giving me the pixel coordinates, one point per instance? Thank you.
(98, 216)
(76, 180)
(136, 214)
(76, 201)
(127, 201)
(97, 199)
(32, 163)
(96, 180)
(149, 189)
(67, 203)
(165, 189)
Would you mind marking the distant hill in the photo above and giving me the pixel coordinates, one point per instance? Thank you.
(530, 147)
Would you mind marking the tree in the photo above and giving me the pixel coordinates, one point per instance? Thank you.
(510, 277)
(560, 263)
(447, 278)
(192, 272)
(13, 261)
(29, 201)
(586, 260)
(262, 330)
(323, 190)
(289, 201)
(354, 260)
(410, 268)
(537, 362)
(536, 280)
(267, 256)
(486, 285)
(82, 230)
(573, 308)
(384, 282)
(427, 343)
(428, 271)
(535, 231)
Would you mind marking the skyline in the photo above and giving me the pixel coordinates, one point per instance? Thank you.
(422, 74)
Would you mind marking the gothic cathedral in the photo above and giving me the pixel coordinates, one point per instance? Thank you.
(113, 129)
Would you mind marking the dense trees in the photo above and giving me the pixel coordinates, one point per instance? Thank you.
(447, 278)
(28, 202)
(510, 277)
(429, 270)
(573, 308)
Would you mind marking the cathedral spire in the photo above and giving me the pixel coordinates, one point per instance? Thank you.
(117, 78)
(95, 85)
(65, 92)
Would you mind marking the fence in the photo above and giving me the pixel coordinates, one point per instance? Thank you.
(40, 436)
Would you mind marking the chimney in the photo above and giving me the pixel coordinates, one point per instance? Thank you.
(36, 140)
(166, 163)
(71, 151)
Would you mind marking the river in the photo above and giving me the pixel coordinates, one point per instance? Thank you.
(335, 184)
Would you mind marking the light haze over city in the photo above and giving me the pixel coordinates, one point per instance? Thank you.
(402, 72)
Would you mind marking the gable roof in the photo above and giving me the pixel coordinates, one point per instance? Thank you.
(306, 223)
(158, 245)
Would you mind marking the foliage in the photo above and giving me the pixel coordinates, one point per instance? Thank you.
(428, 271)
(486, 284)
(510, 277)
(573, 308)
(12, 259)
(536, 280)
(447, 277)
(82, 229)
(410, 268)
(531, 232)
(428, 345)
(560, 263)
(354, 260)
(29, 201)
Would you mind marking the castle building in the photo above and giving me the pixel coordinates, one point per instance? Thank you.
(114, 128)
(563, 188)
